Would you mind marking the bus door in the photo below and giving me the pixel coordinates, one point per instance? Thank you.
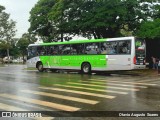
(55, 58)
(64, 51)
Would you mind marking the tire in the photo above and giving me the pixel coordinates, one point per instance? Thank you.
(40, 67)
(86, 68)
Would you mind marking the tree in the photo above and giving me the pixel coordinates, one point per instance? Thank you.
(3, 46)
(14, 51)
(30, 37)
(2, 19)
(7, 30)
(23, 43)
(40, 24)
(98, 18)
(150, 29)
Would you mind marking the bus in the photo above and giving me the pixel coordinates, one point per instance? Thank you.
(110, 54)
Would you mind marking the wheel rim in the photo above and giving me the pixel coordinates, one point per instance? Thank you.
(86, 68)
(40, 67)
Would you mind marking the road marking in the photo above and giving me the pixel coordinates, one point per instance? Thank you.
(134, 83)
(114, 84)
(10, 108)
(127, 80)
(124, 78)
(87, 101)
(121, 88)
(40, 102)
(78, 92)
(93, 89)
(137, 83)
(156, 82)
(150, 80)
(37, 108)
(112, 79)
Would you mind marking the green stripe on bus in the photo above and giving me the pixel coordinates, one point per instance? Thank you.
(74, 60)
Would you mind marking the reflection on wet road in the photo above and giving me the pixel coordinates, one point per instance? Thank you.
(22, 90)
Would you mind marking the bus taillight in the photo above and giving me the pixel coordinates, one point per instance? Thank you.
(134, 60)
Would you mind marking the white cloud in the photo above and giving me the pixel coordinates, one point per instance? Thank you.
(19, 12)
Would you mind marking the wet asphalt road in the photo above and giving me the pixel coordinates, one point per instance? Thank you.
(29, 90)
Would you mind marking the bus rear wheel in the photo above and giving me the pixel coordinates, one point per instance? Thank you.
(86, 68)
(40, 67)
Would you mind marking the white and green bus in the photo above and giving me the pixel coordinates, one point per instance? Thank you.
(123, 53)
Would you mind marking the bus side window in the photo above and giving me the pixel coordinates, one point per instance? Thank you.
(64, 49)
(54, 50)
(124, 47)
(92, 48)
(43, 51)
(51, 50)
(109, 47)
(74, 49)
(60, 49)
(77, 49)
(47, 50)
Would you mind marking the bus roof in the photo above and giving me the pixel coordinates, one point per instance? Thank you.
(81, 41)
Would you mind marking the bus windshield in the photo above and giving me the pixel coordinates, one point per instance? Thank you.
(31, 52)
(140, 52)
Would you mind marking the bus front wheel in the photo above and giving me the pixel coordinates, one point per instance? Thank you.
(40, 67)
(86, 68)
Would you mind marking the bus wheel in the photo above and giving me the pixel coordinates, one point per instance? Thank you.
(86, 68)
(40, 67)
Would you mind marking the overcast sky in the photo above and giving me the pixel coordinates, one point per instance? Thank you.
(19, 12)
